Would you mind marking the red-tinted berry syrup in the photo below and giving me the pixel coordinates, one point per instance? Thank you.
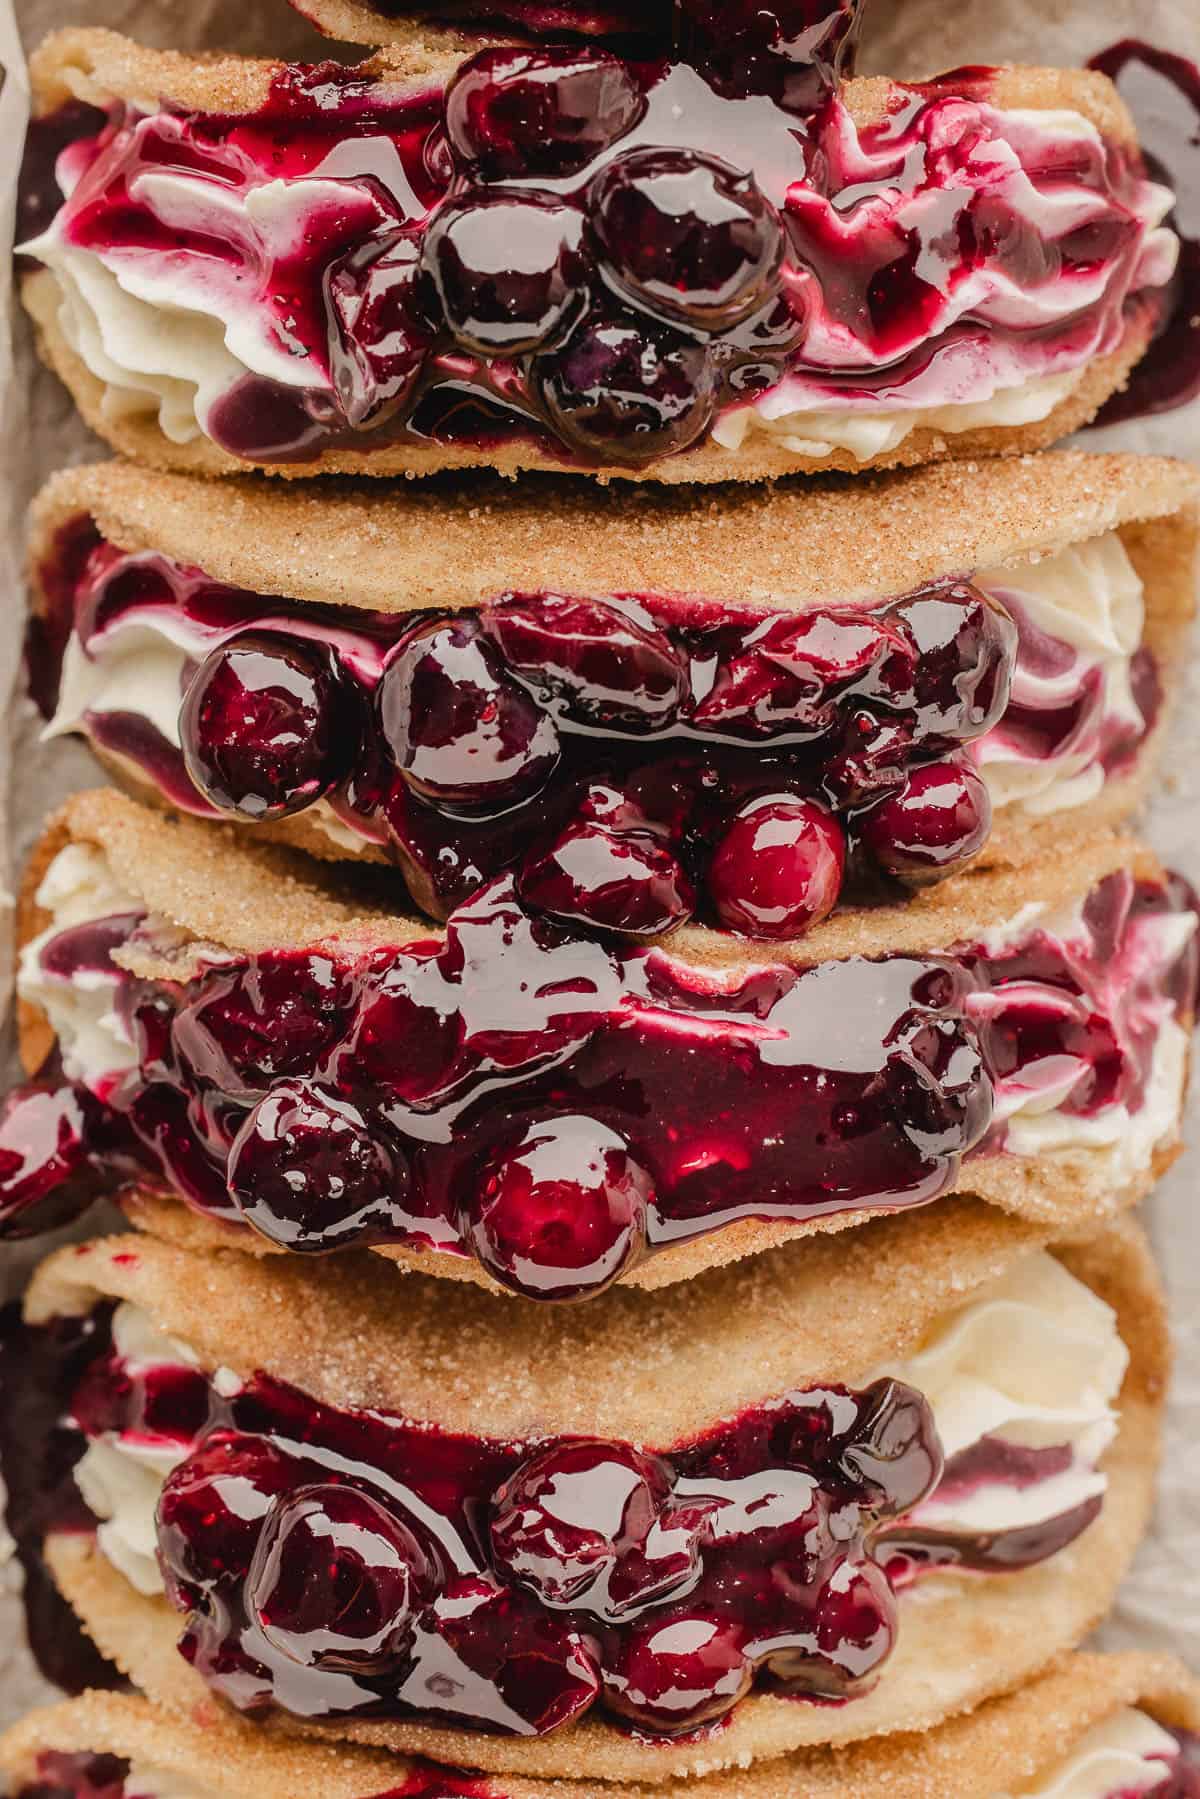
(40, 1368)
(559, 1108)
(603, 257)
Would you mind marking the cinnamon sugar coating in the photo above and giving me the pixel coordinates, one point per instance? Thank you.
(1025, 1734)
(462, 541)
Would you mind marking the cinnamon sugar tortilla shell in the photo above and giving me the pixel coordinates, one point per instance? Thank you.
(794, 546)
(1018, 1739)
(99, 67)
(653, 1369)
(220, 890)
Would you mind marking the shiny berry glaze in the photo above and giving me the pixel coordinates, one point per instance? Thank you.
(437, 1095)
(568, 249)
(1162, 91)
(338, 1563)
(610, 752)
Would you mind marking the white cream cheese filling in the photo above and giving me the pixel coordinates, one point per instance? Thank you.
(121, 1475)
(1091, 598)
(1035, 1360)
(78, 887)
(820, 432)
(1128, 1753)
(1032, 1107)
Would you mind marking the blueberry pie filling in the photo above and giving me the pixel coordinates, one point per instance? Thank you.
(636, 761)
(559, 1108)
(334, 1563)
(599, 261)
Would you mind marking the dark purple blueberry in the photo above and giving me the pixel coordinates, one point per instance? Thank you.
(792, 49)
(686, 236)
(937, 821)
(610, 880)
(405, 1047)
(508, 270)
(787, 674)
(267, 725)
(609, 662)
(778, 869)
(892, 1452)
(966, 646)
(941, 1090)
(673, 1675)
(337, 1581)
(379, 333)
(309, 1172)
(536, 1664)
(587, 1526)
(628, 390)
(851, 1632)
(46, 1176)
(562, 1212)
(243, 1028)
(461, 730)
(211, 1512)
(871, 761)
(513, 112)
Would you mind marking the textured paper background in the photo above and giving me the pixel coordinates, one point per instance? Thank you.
(1161, 1600)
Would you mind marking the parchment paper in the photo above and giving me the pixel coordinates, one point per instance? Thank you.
(38, 433)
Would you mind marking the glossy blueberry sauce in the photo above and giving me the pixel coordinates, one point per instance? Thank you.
(615, 754)
(559, 1108)
(1162, 91)
(564, 248)
(339, 1563)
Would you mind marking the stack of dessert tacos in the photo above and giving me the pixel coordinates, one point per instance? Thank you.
(625, 1008)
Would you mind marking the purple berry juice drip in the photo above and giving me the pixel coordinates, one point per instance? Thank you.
(1162, 91)
(493, 1094)
(635, 762)
(40, 1368)
(336, 1563)
(569, 249)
